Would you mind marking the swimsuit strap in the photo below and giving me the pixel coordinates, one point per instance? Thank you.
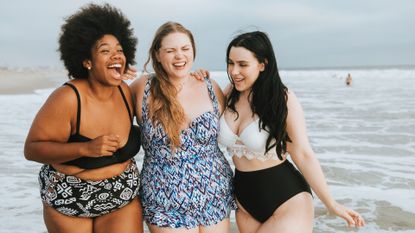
(213, 96)
(144, 107)
(126, 103)
(78, 114)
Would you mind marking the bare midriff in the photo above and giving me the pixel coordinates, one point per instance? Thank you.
(93, 174)
(244, 164)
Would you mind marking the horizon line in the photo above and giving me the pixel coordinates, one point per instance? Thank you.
(340, 67)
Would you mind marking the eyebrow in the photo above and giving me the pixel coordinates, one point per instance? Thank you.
(239, 61)
(103, 44)
(166, 48)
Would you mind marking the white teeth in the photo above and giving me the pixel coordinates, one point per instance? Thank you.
(179, 64)
(115, 66)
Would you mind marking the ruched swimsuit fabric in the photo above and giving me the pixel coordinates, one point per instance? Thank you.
(191, 186)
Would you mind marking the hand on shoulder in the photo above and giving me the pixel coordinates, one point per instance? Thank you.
(137, 86)
(200, 74)
(130, 73)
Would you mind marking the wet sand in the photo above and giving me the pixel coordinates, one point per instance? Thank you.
(22, 81)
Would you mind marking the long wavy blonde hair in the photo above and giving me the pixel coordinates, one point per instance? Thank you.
(164, 107)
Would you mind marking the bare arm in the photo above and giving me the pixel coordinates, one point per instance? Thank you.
(228, 90)
(51, 128)
(304, 158)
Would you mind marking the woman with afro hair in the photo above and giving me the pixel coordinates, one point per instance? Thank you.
(84, 133)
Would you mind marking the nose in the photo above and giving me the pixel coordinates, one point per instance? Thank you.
(233, 70)
(178, 54)
(116, 55)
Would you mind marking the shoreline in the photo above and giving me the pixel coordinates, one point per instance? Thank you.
(26, 81)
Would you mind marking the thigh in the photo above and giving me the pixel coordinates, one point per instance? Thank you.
(156, 229)
(220, 227)
(57, 222)
(246, 223)
(128, 219)
(295, 215)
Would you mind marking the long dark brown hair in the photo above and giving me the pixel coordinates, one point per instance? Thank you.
(269, 94)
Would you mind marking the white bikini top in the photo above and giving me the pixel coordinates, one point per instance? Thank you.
(250, 143)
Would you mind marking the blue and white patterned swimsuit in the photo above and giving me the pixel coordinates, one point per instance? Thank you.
(193, 186)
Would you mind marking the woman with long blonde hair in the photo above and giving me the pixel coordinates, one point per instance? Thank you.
(186, 180)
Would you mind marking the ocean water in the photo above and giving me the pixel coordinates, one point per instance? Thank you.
(363, 136)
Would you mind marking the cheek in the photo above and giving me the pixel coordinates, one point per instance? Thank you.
(253, 75)
(190, 55)
(163, 59)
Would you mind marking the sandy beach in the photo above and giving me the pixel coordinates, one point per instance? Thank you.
(20, 81)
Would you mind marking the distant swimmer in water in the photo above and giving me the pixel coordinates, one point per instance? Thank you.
(349, 80)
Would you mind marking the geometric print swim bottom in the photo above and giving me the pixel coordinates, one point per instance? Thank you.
(72, 196)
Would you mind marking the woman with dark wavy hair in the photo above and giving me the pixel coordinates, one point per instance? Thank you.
(263, 122)
(84, 133)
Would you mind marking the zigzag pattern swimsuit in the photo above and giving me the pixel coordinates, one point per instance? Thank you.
(192, 186)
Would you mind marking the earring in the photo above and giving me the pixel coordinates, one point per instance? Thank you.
(88, 68)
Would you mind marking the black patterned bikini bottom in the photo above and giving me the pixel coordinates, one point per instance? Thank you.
(72, 196)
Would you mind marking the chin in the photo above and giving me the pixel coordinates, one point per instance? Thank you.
(181, 73)
(116, 82)
(240, 89)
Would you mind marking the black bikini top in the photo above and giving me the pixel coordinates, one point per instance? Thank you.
(129, 150)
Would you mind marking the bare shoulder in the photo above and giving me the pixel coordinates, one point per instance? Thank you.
(126, 89)
(62, 97)
(295, 110)
(139, 82)
(228, 89)
(292, 100)
(291, 93)
(53, 121)
(137, 89)
(61, 103)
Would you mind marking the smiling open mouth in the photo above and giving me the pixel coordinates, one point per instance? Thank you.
(179, 64)
(116, 69)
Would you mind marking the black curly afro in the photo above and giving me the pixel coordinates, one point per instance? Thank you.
(82, 29)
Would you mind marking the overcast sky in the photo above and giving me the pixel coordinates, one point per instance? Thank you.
(304, 33)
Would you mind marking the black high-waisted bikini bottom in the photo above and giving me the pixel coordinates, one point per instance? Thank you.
(262, 192)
